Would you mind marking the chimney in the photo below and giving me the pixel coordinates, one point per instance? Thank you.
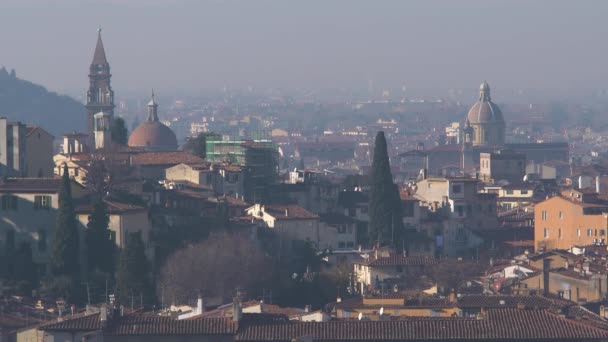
(307, 308)
(286, 212)
(103, 315)
(452, 296)
(237, 310)
(339, 300)
(521, 306)
(199, 305)
(546, 269)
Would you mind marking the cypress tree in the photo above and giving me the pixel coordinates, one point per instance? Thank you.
(100, 248)
(65, 253)
(133, 278)
(119, 131)
(25, 268)
(384, 205)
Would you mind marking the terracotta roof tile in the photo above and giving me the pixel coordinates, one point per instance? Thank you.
(86, 323)
(46, 185)
(164, 158)
(294, 212)
(504, 324)
(157, 325)
(400, 260)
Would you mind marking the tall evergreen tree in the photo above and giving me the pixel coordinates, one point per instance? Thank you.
(385, 219)
(119, 131)
(8, 262)
(100, 248)
(25, 268)
(133, 278)
(65, 253)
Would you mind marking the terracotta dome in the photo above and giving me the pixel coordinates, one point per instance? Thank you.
(152, 134)
(484, 110)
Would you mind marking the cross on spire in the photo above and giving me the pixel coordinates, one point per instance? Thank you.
(99, 57)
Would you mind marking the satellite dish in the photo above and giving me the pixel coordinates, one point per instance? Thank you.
(381, 311)
(360, 315)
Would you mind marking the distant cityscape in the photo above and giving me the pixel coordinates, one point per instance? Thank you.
(251, 215)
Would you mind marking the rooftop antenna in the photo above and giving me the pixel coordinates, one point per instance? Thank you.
(360, 315)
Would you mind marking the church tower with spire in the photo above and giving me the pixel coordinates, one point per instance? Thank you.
(100, 96)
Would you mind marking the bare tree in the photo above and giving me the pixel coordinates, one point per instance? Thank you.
(452, 273)
(215, 268)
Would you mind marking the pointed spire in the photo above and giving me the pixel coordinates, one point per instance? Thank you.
(484, 92)
(152, 109)
(100, 54)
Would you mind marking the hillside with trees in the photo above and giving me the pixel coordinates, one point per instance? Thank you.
(33, 104)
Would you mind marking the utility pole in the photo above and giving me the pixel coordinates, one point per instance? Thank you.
(88, 293)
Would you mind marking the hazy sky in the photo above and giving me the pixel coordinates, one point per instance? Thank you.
(198, 44)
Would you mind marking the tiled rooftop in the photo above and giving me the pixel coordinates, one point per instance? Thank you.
(45, 185)
(399, 260)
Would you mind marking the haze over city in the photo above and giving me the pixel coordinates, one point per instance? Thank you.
(550, 47)
(303, 171)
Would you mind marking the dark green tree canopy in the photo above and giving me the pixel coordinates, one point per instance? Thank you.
(66, 253)
(385, 219)
(100, 248)
(119, 131)
(133, 276)
(198, 144)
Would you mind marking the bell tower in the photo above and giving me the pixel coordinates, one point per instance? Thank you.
(100, 96)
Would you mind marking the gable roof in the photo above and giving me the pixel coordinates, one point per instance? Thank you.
(160, 325)
(399, 260)
(30, 185)
(83, 323)
(503, 324)
(164, 158)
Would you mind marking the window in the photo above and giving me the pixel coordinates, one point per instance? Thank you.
(9, 202)
(559, 233)
(113, 236)
(546, 233)
(41, 240)
(460, 210)
(589, 232)
(524, 192)
(602, 232)
(341, 245)
(578, 232)
(42, 202)
(509, 192)
(561, 215)
(350, 244)
(352, 212)
(544, 215)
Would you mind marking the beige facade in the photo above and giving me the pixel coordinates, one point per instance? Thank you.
(291, 222)
(39, 153)
(502, 165)
(224, 179)
(574, 218)
(22, 219)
